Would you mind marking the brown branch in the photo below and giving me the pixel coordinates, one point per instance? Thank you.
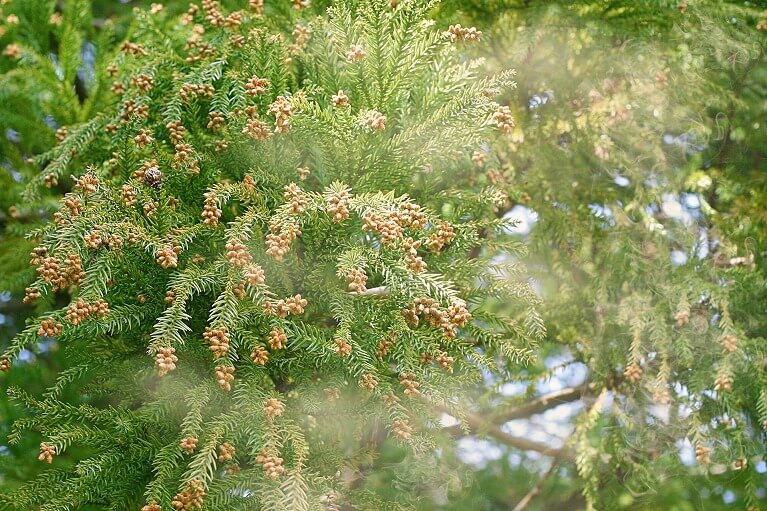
(478, 424)
(535, 490)
(538, 405)
(543, 403)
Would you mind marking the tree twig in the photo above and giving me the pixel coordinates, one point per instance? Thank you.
(373, 291)
(544, 402)
(538, 405)
(478, 424)
(535, 490)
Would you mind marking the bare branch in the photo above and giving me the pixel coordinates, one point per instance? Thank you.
(538, 405)
(374, 291)
(535, 490)
(543, 403)
(478, 424)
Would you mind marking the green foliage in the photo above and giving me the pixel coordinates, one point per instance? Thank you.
(638, 289)
(167, 230)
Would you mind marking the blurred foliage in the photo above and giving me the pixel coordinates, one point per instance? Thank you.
(640, 136)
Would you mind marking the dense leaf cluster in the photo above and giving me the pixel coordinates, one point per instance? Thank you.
(219, 205)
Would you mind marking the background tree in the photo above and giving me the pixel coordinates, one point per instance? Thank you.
(633, 132)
